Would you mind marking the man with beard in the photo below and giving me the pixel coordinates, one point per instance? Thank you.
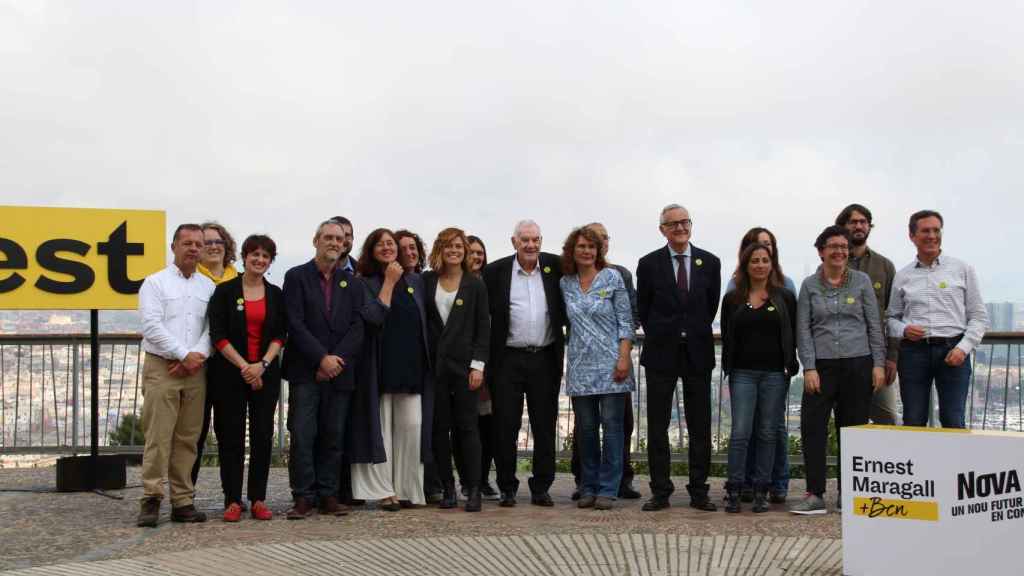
(857, 220)
(345, 261)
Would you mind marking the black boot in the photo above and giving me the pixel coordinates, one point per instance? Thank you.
(448, 499)
(732, 501)
(473, 499)
(760, 501)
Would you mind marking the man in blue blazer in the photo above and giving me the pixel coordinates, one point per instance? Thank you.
(322, 302)
(678, 289)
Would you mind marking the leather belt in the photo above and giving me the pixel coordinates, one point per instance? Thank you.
(938, 340)
(529, 349)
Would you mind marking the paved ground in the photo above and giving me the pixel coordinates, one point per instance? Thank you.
(54, 531)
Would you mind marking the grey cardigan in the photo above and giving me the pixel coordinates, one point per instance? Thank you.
(843, 322)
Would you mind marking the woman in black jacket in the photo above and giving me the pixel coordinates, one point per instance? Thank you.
(247, 325)
(457, 314)
(759, 357)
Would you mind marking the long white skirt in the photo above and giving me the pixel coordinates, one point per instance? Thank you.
(401, 475)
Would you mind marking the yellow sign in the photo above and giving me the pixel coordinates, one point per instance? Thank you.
(900, 509)
(78, 258)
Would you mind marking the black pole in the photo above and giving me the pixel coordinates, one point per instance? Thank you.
(94, 396)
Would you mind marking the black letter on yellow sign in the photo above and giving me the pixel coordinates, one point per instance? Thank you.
(47, 257)
(117, 248)
(15, 259)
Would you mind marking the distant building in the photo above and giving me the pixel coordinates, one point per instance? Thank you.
(1001, 316)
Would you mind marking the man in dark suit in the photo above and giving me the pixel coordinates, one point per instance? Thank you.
(325, 330)
(527, 350)
(678, 290)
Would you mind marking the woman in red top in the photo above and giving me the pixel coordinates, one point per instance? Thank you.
(247, 325)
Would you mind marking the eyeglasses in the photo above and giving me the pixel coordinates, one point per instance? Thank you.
(684, 223)
(838, 247)
(217, 242)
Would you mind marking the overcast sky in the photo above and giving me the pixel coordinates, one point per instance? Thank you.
(270, 117)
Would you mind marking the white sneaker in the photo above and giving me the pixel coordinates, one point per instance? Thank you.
(811, 504)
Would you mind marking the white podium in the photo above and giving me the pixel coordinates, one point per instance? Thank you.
(932, 501)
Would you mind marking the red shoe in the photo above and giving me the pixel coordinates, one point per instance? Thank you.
(233, 513)
(260, 511)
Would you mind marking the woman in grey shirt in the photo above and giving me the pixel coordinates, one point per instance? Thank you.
(841, 347)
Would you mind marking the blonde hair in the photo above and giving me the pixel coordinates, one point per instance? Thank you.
(444, 238)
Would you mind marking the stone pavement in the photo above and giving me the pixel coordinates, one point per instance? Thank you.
(84, 533)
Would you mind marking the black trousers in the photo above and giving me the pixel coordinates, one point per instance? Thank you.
(845, 389)
(627, 464)
(215, 372)
(535, 377)
(233, 399)
(485, 426)
(696, 410)
(455, 419)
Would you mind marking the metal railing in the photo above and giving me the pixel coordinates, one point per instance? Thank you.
(44, 396)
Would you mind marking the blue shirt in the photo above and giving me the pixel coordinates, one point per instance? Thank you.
(598, 320)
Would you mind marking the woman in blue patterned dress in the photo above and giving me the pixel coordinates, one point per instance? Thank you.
(599, 369)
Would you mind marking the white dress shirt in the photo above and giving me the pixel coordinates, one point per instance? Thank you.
(173, 310)
(529, 323)
(944, 298)
(444, 301)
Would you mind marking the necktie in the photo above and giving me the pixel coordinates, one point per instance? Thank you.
(682, 282)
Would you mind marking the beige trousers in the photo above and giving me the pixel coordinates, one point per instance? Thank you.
(172, 416)
(402, 475)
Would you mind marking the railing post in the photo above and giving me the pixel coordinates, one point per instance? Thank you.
(74, 397)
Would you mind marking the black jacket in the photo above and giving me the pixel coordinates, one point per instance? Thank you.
(783, 301)
(228, 322)
(498, 278)
(466, 335)
(313, 333)
(664, 317)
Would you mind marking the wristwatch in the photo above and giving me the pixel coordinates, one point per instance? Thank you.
(265, 364)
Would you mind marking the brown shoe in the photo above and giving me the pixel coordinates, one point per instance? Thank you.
(330, 505)
(188, 514)
(301, 509)
(149, 513)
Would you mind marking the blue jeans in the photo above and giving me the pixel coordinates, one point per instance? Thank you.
(600, 460)
(779, 478)
(317, 418)
(920, 363)
(761, 396)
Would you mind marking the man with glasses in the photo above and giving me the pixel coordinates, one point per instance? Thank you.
(937, 309)
(858, 222)
(678, 291)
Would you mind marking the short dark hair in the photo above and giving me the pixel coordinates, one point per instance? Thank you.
(342, 220)
(259, 241)
(476, 239)
(921, 214)
(847, 212)
(367, 265)
(192, 227)
(403, 233)
(569, 248)
(831, 232)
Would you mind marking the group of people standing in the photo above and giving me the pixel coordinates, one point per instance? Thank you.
(399, 362)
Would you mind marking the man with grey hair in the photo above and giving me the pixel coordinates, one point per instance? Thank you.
(678, 289)
(527, 349)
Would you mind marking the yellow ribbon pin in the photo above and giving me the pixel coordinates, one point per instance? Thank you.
(602, 293)
(771, 308)
(943, 285)
(240, 301)
(547, 269)
(409, 290)
(343, 283)
(878, 285)
(458, 301)
(698, 262)
(850, 300)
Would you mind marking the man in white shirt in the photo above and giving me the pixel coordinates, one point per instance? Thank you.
(527, 351)
(176, 339)
(937, 309)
